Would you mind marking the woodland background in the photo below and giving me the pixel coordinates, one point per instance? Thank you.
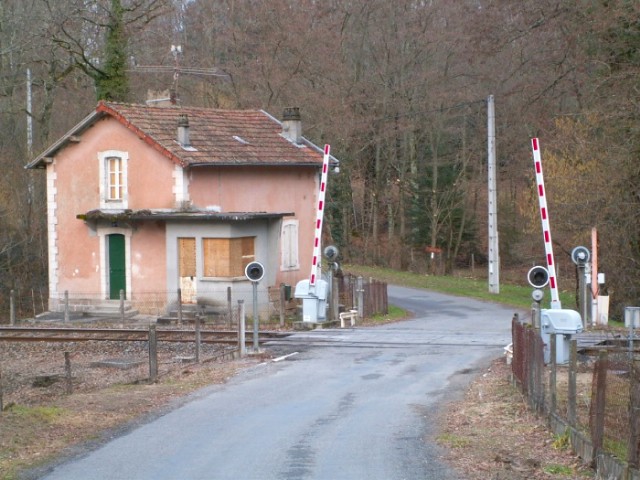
(397, 88)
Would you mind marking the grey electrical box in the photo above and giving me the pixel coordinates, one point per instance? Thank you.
(563, 323)
(314, 300)
(632, 317)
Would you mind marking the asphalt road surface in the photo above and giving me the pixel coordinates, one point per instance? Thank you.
(342, 404)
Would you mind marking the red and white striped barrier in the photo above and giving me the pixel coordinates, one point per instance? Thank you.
(546, 231)
(315, 262)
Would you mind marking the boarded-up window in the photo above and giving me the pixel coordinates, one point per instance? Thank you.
(227, 257)
(289, 246)
(187, 256)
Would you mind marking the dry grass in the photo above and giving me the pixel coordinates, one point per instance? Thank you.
(41, 423)
(491, 434)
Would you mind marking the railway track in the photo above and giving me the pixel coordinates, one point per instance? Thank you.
(63, 334)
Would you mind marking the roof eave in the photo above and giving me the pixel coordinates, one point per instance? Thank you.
(254, 164)
(178, 215)
(44, 158)
(102, 110)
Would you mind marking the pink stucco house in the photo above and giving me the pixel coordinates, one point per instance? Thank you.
(147, 200)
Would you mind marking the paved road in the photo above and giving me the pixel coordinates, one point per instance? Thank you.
(344, 404)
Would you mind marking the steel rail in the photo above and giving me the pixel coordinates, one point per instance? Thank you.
(66, 334)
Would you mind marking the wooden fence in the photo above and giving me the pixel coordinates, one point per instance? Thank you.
(594, 400)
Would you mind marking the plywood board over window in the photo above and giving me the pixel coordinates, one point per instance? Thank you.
(187, 260)
(187, 268)
(227, 257)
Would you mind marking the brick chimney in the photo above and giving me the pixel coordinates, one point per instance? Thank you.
(292, 125)
(183, 131)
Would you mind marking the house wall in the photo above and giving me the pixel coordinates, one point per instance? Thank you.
(148, 244)
(214, 292)
(74, 175)
(77, 255)
(264, 189)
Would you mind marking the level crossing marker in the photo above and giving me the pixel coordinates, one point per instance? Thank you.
(315, 262)
(546, 230)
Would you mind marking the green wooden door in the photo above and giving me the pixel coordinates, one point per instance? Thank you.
(117, 274)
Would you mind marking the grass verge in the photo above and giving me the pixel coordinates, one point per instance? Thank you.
(464, 286)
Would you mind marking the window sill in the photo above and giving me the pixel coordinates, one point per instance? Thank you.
(224, 279)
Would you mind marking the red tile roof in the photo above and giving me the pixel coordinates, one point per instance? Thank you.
(229, 137)
(218, 137)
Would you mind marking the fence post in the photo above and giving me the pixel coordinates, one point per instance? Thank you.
(360, 293)
(256, 318)
(1, 400)
(539, 369)
(67, 374)
(553, 394)
(66, 306)
(179, 306)
(335, 298)
(198, 337)
(634, 413)
(122, 306)
(229, 307)
(596, 420)
(282, 300)
(153, 354)
(12, 307)
(633, 453)
(241, 329)
(535, 315)
(530, 342)
(572, 397)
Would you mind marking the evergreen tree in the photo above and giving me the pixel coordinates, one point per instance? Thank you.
(111, 81)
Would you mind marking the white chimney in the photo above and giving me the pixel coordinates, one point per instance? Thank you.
(292, 125)
(183, 131)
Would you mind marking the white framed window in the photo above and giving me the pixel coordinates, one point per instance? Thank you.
(113, 179)
(289, 245)
(115, 187)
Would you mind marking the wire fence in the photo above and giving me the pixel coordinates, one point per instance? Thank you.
(275, 304)
(593, 399)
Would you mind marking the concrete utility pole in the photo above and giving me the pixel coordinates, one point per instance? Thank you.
(494, 254)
